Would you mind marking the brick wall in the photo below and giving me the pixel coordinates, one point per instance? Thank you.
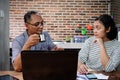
(61, 16)
(115, 6)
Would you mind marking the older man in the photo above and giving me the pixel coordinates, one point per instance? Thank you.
(30, 39)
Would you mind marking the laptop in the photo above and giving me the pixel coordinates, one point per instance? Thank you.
(49, 65)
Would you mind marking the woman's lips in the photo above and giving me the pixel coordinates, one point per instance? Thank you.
(95, 35)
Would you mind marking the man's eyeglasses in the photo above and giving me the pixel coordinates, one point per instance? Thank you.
(37, 24)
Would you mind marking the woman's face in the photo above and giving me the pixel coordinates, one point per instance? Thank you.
(99, 30)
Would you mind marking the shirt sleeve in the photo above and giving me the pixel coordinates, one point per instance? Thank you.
(50, 43)
(83, 53)
(114, 61)
(16, 49)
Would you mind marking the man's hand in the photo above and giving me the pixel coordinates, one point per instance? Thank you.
(57, 49)
(32, 40)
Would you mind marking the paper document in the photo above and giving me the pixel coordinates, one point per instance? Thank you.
(101, 76)
(81, 77)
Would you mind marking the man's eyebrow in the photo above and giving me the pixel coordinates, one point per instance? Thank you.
(40, 21)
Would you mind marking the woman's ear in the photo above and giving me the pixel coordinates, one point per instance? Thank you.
(108, 30)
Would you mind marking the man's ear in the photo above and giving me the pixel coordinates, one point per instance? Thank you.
(108, 30)
(26, 25)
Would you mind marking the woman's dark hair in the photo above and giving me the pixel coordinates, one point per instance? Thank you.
(27, 16)
(108, 22)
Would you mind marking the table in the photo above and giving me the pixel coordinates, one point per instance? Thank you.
(70, 45)
(64, 45)
(12, 73)
(113, 75)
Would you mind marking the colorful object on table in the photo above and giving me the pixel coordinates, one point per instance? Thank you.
(89, 27)
(83, 31)
(68, 39)
(79, 38)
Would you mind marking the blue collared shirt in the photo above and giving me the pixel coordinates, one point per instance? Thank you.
(20, 40)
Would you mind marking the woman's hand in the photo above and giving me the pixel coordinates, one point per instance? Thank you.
(99, 41)
(82, 68)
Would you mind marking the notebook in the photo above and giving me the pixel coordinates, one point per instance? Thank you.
(49, 65)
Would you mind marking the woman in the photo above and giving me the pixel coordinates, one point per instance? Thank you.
(102, 51)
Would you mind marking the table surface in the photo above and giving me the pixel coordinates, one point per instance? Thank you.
(12, 73)
(112, 75)
(65, 45)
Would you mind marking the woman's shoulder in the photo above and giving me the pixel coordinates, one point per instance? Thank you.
(116, 42)
(90, 39)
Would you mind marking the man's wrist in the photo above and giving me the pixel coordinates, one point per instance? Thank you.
(26, 47)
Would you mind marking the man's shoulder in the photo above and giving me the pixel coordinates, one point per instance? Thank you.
(45, 33)
(20, 37)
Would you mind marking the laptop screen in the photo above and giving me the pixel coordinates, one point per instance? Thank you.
(49, 65)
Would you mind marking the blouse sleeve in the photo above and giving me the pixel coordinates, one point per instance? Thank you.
(114, 60)
(83, 53)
